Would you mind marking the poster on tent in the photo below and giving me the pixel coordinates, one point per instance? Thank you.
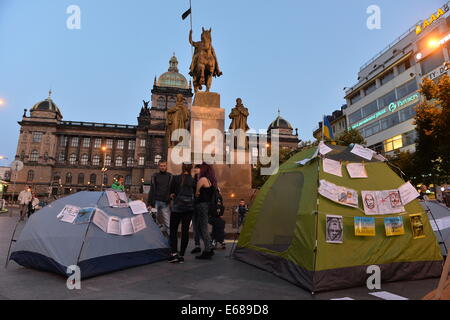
(138, 207)
(408, 193)
(364, 227)
(101, 219)
(335, 229)
(357, 170)
(382, 202)
(417, 226)
(342, 195)
(363, 152)
(324, 149)
(117, 199)
(394, 226)
(84, 215)
(68, 214)
(332, 167)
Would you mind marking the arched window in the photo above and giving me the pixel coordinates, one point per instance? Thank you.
(56, 178)
(30, 176)
(107, 161)
(73, 159)
(96, 160)
(171, 102)
(119, 161)
(34, 156)
(81, 178)
(93, 179)
(105, 179)
(69, 178)
(161, 103)
(84, 160)
(130, 162)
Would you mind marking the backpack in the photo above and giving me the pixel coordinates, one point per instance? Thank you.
(216, 207)
(184, 201)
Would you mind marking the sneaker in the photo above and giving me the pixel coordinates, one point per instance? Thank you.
(223, 246)
(205, 255)
(180, 259)
(196, 250)
(174, 258)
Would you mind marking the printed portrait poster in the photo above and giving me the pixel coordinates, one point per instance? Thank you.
(394, 226)
(382, 202)
(335, 228)
(117, 199)
(417, 226)
(364, 227)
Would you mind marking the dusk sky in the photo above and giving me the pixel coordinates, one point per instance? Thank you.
(292, 55)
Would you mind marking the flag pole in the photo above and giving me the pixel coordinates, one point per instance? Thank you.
(323, 128)
(190, 8)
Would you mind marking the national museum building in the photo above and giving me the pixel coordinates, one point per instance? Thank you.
(63, 157)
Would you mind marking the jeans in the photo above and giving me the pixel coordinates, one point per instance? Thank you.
(175, 219)
(23, 211)
(195, 229)
(202, 220)
(163, 215)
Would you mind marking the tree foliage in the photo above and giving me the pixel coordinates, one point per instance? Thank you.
(346, 138)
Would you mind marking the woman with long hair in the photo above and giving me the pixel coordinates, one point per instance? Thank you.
(182, 190)
(205, 187)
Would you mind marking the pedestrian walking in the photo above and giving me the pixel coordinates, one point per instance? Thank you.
(25, 198)
(205, 187)
(182, 191)
(159, 196)
(197, 248)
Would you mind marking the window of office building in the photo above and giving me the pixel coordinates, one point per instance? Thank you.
(34, 156)
(84, 160)
(405, 65)
(407, 88)
(73, 159)
(387, 99)
(131, 145)
(393, 143)
(388, 76)
(370, 109)
(109, 143)
(96, 160)
(74, 142)
(407, 113)
(86, 143)
(371, 130)
(97, 143)
(371, 87)
(355, 98)
(432, 61)
(141, 161)
(409, 138)
(355, 117)
(389, 121)
(37, 136)
(120, 144)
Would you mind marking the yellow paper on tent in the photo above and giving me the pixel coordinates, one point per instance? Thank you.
(364, 227)
(417, 226)
(394, 226)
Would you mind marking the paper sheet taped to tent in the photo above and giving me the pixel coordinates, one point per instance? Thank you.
(382, 202)
(342, 195)
(119, 226)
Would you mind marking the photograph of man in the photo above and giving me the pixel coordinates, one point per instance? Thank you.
(334, 232)
(417, 226)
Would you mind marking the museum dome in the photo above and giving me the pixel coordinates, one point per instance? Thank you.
(280, 123)
(46, 105)
(173, 78)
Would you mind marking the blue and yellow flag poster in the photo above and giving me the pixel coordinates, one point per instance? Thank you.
(327, 130)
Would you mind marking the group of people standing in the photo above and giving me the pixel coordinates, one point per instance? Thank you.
(27, 202)
(189, 197)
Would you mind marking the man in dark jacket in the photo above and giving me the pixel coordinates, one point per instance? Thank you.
(159, 196)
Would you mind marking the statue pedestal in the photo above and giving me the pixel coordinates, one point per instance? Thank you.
(207, 99)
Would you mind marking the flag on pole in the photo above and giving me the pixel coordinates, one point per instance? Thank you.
(327, 130)
(186, 14)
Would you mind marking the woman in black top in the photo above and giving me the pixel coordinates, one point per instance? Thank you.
(182, 190)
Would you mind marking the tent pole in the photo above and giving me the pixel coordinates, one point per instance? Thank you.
(10, 243)
(316, 222)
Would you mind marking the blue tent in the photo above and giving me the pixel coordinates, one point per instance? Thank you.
(48, 244)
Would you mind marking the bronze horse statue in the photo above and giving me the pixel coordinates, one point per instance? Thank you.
(204, 64)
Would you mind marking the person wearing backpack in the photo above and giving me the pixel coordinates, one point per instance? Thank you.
(206, 187)
(182, 190)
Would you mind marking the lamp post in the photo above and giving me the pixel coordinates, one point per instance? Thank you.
(104, 169)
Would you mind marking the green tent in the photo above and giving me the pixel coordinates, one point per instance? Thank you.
(285, 230)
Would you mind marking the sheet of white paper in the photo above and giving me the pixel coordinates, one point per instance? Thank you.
(324, 149)
(357, 170)
(363, 152)
(114, 225)
(332, 167)
(342, 195)
(117, 199)
(382, 202)
(138, 223)
(138, 207)
(126, 227)
(387, 295)
(408, 193)
(69, 214)
(379, 157)
(101, 220)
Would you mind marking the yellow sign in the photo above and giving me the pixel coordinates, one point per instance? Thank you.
(435, 16)
(394, 226)
(417, 226)
(364, 227)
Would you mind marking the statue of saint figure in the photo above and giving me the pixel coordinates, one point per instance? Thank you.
(239, 116)
(177, 117)
(204, 64)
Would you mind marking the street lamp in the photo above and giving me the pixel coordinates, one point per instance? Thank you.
(104, 169)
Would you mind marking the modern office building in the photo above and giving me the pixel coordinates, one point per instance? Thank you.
(382, 104)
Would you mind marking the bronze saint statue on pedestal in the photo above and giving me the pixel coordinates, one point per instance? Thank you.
(239, 116)
(204, 64)
(177, 118)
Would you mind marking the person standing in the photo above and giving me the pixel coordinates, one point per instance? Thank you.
(205, 187)
(33, 204)
(182, 190)
(241, 210)
(159, 196)
(197, 248)
(25, 197)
